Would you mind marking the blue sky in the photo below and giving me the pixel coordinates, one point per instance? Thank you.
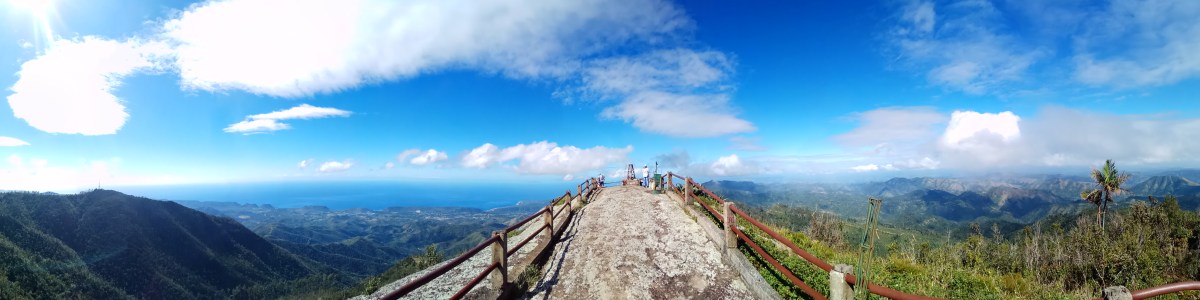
(168, 92)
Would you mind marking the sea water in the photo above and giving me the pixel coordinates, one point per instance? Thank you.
(343, 195)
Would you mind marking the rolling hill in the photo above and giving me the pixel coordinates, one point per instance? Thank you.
(103, 244)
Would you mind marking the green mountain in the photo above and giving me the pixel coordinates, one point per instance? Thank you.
(1166, 185)
(107, 245)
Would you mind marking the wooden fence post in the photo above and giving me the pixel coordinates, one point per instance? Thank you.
(730, 222)
(687, 192)
(549, 217)
(500, 257)
(839, 289)
(670, 181)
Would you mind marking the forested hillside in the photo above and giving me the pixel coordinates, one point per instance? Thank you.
(989, 239)
(107, 245)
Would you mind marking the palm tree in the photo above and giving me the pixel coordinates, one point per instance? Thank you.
(1108, 184)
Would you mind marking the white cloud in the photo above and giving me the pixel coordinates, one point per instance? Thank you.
(731, 165)
(892, 125)
(403, 156)
(69, 89)
(743, 143)
(304, 163)
(921, 15)
(318, 47)
(11, 142)
(966, 126)
(866, 168)
(15, 160)
(256, 126)
(674, 160)
(303, 111)
(389, 165)
(1139, 43)
(428, 157)
(568, 177)
(228, 45)
(1053, 137)
(679, 115)
(36, 174)
(262, 123)
(481, 157)
(975, 47)
(546, 157)
(335, 166)
(678, 92)
(965, 49)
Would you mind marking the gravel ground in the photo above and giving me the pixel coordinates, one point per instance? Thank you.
(631, 244)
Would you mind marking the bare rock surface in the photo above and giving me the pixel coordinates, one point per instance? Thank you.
(631, 244)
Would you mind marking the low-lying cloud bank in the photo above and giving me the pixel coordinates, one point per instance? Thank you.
(1053, 137)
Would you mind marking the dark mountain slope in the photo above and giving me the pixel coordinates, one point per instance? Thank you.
(1166, 185)
(105, 244)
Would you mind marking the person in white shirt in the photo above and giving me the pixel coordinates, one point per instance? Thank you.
(646, 176)
(601, 180)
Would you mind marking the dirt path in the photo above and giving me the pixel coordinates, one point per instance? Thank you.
(631, 244)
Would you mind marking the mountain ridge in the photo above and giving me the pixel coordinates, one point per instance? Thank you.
(125, 246)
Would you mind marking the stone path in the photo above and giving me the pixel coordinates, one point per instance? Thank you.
(631, 244)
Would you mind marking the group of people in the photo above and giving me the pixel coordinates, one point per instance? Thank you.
(645, 176)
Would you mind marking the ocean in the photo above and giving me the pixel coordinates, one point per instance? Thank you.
(343, 195)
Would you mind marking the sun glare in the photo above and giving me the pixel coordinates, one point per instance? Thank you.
(40, 11)
(36, 7)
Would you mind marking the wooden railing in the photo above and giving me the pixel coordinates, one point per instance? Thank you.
(730, 214)
(727, 218)
(499, 268)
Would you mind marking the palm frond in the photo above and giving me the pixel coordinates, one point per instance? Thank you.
(1094, 196)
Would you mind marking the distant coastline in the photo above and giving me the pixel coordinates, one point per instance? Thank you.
(345, 195)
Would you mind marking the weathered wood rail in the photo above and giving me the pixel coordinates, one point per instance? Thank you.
(726, 219)
(730, 214)
(500, 269)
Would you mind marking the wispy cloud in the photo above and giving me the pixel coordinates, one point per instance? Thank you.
(1054, 136)
(11, 142)
(1139, 43)
(892, 125)
(677, 92)
(545, 157)
(304, 163)
(69, 88)
(268, 122)
(421, 158)
(1006, 47)
(335, 166)
(626, 51)
(960, 46)
(743, 143)
(40, 174)
(228, 45)
(674, 91)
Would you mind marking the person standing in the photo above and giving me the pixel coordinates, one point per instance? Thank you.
(645, 175)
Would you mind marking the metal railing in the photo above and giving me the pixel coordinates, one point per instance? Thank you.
(499, 243)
